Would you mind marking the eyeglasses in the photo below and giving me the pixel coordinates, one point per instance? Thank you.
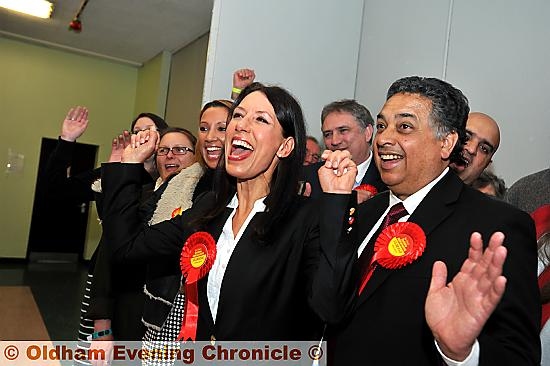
(314, 157)
(176, 150)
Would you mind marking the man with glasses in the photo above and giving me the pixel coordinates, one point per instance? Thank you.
(313, 151)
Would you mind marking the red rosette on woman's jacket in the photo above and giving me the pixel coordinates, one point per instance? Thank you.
(197, 257)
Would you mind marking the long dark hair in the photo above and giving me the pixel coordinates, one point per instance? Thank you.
(284, 184)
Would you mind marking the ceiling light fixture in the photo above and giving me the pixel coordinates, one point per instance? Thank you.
(76, 24)
(37, 8)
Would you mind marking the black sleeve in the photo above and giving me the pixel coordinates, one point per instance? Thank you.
(101, 298)
(124, 233)
(109, 278)
(333, 289)
(511, 335)
(76, 187)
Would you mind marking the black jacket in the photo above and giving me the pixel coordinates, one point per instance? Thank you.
(386, 323)
(266, 287)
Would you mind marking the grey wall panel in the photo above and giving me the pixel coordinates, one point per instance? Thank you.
(498, 55)
(309, 47)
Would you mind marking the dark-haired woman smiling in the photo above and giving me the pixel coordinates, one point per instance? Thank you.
(267, 244)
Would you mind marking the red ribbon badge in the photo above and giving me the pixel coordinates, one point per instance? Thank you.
(397, 245)
(367, 187)
(197, 258)
(177, 212)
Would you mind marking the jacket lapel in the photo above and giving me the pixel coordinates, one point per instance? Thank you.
(215, 228)
(438, 204)
(371, 175)
(231, 282)
(434, 208)
(369, 212)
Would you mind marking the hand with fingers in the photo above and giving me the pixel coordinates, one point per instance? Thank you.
(118, 145)
(338, 173)
(74, 124)
(142, 146)
(241, 79)
(456, 312)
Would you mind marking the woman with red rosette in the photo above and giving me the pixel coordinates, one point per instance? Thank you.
(251, 264)
(211, 137)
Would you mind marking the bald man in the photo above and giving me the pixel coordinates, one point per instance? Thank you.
(483, 138)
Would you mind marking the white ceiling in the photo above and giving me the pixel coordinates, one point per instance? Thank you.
(131, 31)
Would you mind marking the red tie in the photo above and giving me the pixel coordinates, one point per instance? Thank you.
(396, 212)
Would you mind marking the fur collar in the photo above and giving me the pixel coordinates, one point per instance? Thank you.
(178, 193)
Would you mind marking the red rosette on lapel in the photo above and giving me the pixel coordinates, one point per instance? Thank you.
(177, 212)
(197, 257)
(399, 244)
(367, 187)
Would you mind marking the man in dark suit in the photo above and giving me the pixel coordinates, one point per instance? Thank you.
(348, 125)
(390, 303)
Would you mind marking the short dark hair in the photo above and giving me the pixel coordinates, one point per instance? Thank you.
(181, 130)
(284, 184)
(449, 107)
(351, 106)
(157, 120)
(486, 178)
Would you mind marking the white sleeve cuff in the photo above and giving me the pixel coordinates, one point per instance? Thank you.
(471, 360)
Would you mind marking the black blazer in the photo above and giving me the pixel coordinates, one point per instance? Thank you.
(386, 324)
(117, 290)
(372, 177)
(266, 286)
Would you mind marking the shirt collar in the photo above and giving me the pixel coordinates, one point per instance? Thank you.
(362, 169)
(412, 202)
(259, 205)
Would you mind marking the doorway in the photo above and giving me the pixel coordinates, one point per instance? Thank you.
(59, 223)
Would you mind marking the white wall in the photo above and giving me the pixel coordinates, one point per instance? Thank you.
(309, 47)
(497, 55)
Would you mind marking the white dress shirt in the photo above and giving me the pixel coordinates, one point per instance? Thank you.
(224, 247)
(362, 170)
(411, 203)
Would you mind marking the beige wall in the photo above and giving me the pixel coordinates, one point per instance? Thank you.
(37, 86)
(186, 85)
(152, 85)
